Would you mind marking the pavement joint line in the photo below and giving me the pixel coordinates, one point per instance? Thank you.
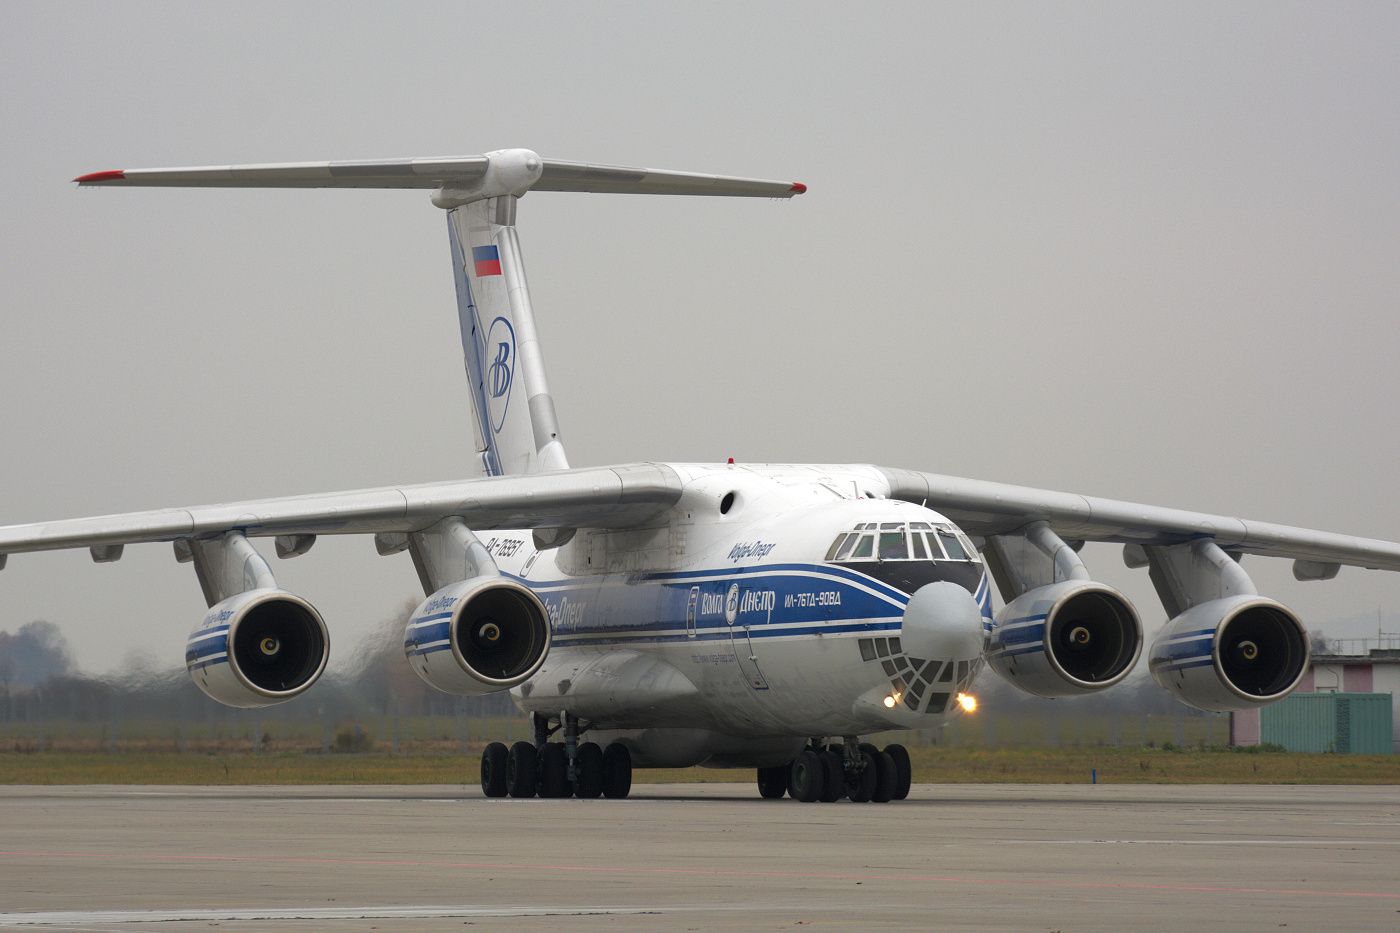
(654, 870)
(381, 912)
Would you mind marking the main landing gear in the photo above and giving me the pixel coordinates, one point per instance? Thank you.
(556, 769)
(856, 770)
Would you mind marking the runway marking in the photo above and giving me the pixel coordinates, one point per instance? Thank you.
(69, 917)
(1204, 842)
(659, 870)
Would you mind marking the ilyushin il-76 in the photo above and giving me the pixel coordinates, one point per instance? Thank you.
(773, 617)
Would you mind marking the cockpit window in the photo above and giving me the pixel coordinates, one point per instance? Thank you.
(896, 541)
(893, 546)
(846, 546)
(952, 545)
(934, 548)
(836, 546)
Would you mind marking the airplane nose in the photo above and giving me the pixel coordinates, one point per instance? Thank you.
(942, 620)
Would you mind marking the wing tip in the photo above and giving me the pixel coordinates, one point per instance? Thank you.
(798, 188)
(94, 178)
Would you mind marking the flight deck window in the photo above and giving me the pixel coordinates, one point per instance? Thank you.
(845, 550)
(836, 546)
(934, 548)
(920, 552)
(865, 549)
(953, 546)
(892, 546)
(967, 546)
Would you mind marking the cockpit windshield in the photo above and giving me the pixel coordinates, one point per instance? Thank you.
(884, 541)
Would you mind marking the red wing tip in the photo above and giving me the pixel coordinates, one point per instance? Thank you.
(797, 188)
(112, 175)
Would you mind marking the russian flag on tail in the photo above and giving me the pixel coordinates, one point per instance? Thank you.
(487, 260)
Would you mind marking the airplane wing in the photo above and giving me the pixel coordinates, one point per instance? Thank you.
(608, 497)
(985, 508)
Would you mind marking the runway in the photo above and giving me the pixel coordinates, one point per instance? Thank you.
(699, 857)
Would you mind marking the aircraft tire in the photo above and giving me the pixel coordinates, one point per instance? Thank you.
(522, 770)
(903, 770)
(773, 782)
(885, 778)
(589, 768)
(554, 772)
(617, 771)
(805, 781)
(493, 770)
(833, 777)
(861, 787)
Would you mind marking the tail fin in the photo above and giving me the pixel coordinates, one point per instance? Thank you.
(517, 431)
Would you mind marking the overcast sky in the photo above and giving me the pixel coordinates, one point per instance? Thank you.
(1150, 253)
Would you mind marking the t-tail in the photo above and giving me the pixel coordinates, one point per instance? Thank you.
(516, 428)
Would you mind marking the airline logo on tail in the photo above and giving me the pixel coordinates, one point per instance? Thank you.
(500, 371)
(487, 260)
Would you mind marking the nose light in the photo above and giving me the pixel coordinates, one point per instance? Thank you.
(968, 702)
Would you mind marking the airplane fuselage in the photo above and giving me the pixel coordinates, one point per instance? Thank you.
(764, 608)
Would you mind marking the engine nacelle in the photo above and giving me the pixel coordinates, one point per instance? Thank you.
(1231, 654)
(478, 636)
(258, 648)
(1066, 639)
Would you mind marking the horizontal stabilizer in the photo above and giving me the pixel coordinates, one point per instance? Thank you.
(522, 170)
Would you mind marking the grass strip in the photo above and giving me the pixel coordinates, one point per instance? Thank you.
(931, 765)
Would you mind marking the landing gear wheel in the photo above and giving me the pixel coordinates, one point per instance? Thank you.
(772, 782)
(522, 770)
(805, 777)
(554, 771)
(903, 771)
(885, 779)
(833, 777)
(617, 771)
(861, 787)
(589, 768)
(493, 770)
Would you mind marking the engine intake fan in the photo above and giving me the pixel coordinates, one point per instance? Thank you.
(1230, 654)
(1066, 639)
(478, 636)
(258, 648)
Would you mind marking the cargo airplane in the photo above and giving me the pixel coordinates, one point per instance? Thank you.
(764, 616)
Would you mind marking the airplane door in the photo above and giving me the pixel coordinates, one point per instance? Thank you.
(690, 605)
(742, 640)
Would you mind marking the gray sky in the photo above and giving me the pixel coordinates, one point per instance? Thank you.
(1131, 251)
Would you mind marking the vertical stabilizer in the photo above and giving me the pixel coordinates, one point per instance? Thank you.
(516, 428)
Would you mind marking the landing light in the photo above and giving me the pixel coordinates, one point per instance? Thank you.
(890, 701)
(968, 702)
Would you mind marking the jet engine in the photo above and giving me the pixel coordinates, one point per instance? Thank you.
(1231, 654)
(258, 648)
(1066, 639)
(478, 636)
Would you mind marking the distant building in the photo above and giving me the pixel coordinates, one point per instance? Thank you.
(1375, 671)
